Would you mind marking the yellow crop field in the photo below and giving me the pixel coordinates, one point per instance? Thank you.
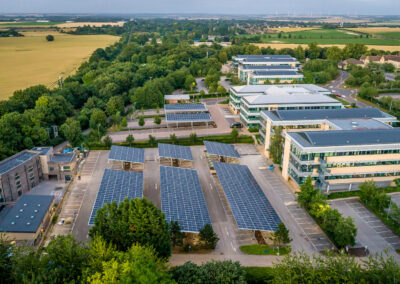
(290, 30)
(293, 45)
(93, 24)
(373, 30)
(31, 60)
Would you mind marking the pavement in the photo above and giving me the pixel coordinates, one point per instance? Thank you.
(372, 232)
(390, 77)
(200, 85)
(395, 197)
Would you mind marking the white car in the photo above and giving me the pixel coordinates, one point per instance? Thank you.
(61, 222)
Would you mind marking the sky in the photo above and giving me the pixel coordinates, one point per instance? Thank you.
(304, 7)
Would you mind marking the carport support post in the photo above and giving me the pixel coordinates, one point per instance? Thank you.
(350, 185)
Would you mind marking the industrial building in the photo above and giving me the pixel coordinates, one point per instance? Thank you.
(331, 119)
(283, 98)
(342, 159)
(237, 93)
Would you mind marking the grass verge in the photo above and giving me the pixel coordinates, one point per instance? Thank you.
(264, 250)
(345, 194)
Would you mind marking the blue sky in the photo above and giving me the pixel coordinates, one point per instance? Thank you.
(345, 7)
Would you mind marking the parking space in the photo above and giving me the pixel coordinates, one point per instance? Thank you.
(306, 234)
(372, 232)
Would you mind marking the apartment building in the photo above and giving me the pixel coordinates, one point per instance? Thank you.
(237, 93)
(316, 120)
(342, 159)
(283, 99)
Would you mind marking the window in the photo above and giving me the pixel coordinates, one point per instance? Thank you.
(66, 168)
(1, 195)
(16, 177)
(51, 169)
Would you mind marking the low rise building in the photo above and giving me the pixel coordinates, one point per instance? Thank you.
(380, 59)
(261, 77)
(264, 60)
(28, 219)
(63, 166)
(245, 70)
(176, 99)
(345, 63)
(237, 93)
(276, 98)
(342, 159)
(315, 120)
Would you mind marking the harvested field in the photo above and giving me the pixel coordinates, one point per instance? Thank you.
(292, 45)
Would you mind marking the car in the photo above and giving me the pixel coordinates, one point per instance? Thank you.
(236, 124)
(62, 221)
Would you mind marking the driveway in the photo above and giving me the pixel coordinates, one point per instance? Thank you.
(200, 85)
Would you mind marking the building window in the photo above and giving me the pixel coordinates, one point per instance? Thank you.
(30, 169)
(51, 169)
(66, 168)
(19, 192)
(1, 195)
(16, 177)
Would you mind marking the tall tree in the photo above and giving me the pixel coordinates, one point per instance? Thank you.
(71, 130)
(208, 237)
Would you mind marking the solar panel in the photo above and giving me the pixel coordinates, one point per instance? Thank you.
(343, 113)
(175, 152)
(188, 117)
(126, 154)
(221, 149)
(249, 205)
(117, 185)
(182, 198)
(185, 107)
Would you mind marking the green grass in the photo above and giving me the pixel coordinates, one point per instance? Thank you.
(22, 24)
(345, 103)
(325, 36)
(264, 250)
(395, 35)
(346, 194)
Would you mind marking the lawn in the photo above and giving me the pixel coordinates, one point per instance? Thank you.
(293, 45)
(325, 36)
(31, 60)
(264, 250)
(28, 24)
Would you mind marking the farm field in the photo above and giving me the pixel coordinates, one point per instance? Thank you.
(93, 24)
(326, 36)
(28, 24)
(31, 60)
(386, 32)
(290, 30)
(390, 48)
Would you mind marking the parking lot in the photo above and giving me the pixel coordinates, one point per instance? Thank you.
(372, 232)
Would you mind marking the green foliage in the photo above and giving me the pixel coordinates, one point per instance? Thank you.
(173, 139)
(255, 274)
(276, 146)
(193, 137)
(133, 221)
(264, 250)
(115, 105)
(157, 120)
(177, 235)
(320, 71)
(107, 141)
(152, 140)
(98, 120)
(223, 272)
(50, 38)
(71, 130)
(129, 140)
(208, 237)
(281, 236)
(234, 134)
(141, 121)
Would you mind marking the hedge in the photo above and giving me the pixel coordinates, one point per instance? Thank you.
(255, 275)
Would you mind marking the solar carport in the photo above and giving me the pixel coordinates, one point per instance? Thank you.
(188, 119)
(250, 207)
(175, 155)
(182, 198)
(221, 152)
(127, 158)
(115, 186)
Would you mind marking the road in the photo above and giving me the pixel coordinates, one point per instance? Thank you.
(346, 94)
(389, 77)
(200, 85)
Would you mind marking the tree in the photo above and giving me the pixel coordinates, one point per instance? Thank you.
(234, 134)
(190, 82)
(50, 38)
(334, 54)
(173, 138)
(107, 141)
(223, 57)
(138, 265)
(98, 120)
(133, 221)
(299, 53)
(208, 237)
(221, 90)
(307, 193)
(275, 148)
(281, 235)
(141, 121)
(115, 105)
(345, 232)
(193, 137)
(71, 130)
(157, 120)
(177, 235)
(313, 50)
(152, 140)
(130, 140)
(5, 260)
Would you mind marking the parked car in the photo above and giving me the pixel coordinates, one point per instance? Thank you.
(236, 124)
(61, 222)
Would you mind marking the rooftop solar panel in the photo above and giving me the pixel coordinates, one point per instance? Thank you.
(175, 152)
(182, 198)
(221, 149)
(188, 117)
(276, 73)
(116, 186)
(249, 205)
(185, 107)
(127, 154)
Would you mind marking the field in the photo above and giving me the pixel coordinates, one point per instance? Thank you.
(326, 36)
(290, 30)
(30, 60)
(386, 32)
(93, 24)
(390, 48)
(28, 24)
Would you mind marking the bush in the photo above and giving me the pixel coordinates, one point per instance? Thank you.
(141, 121)
(50, 38)
(157, 120)
(256, 275)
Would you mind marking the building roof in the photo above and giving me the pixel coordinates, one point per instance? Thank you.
(347, 137)
(262, 89)
(344, 113)
(358, 124)
(27, 214)
(42, 150)
(297, 98)
(177, 97)
(126, 154)
(268, 59)
(62, 158)
(276, 73)
(16, 160)
(252, 56)
(185, 107)
(268, 67)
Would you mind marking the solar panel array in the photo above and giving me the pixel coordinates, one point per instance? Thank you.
(175, 152)
(188, 117)
(249, 205)
(182, 198)
(127, 154)
(221, 149)
(185, 107)
(117, 185)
